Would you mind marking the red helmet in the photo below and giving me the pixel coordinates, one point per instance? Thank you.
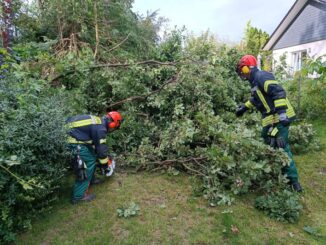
(246, 62)
(115, 119)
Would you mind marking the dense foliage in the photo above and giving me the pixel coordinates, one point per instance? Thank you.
(190, 126)
(32, 148)
(110, 28)
(283, 205)
(303, 138)
(253, 42)
(308, 89)
(177, 96)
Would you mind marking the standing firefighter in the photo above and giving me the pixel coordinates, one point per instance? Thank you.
(87, 141)
(269, 97)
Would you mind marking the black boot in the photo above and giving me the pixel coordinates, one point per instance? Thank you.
(87, 198)
(95, 181)
(297, 187)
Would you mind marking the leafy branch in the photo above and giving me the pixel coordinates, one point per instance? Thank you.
(172, 161)
(116, 65)
(120, 43)
(146, 62)
(142, 97)
(27, 185)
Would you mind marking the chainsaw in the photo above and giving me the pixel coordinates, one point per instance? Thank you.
(110, 168)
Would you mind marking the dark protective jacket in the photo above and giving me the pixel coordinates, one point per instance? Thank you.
(269, 97)
(89, 130)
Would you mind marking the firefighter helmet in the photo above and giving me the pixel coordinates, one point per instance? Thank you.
(246, 62)
(115, 119)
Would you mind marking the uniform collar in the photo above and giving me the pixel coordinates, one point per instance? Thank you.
(105, 122)
(253, 72)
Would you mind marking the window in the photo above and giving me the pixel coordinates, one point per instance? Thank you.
(298, 59)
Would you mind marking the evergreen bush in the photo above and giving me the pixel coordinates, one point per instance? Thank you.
(33, 156)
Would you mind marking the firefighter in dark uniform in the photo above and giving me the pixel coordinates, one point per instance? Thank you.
(269, 98)
(87, 141)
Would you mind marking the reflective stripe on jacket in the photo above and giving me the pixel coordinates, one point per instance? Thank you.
(89, 130)
(269, 97)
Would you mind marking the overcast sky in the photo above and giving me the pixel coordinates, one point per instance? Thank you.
(225, 18)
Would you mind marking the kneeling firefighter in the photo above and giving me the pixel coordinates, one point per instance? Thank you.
(87, 141)
(269, 98)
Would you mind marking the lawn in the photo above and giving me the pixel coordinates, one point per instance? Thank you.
(171, 214)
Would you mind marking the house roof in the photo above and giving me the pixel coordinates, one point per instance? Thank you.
(291, 15)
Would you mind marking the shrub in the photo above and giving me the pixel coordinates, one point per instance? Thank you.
(302, 138)
(282, 205)
(308, 90)
(32, 150)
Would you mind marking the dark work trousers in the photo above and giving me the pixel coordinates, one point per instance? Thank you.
(290, 170)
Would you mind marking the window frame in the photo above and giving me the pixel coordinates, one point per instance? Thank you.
(298, 58)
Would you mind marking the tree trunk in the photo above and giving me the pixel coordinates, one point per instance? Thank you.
(7, 29)
(96, 29)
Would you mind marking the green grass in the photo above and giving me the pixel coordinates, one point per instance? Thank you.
(171, 214)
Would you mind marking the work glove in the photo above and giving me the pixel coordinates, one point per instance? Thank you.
(240, 110)
(271, 141)
(274, 139)
(284, 120)
(103, 168)
(280, 142)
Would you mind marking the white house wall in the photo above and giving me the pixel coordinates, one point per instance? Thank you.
(314, 50)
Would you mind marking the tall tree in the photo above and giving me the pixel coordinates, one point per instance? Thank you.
(254, 39)
(103, 25)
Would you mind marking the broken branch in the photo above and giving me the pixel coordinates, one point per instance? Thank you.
(141, 97)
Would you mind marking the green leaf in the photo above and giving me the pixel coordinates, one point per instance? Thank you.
(13, 158)
(12, 162)
(26, 186)
(310, 230)
(131, 210)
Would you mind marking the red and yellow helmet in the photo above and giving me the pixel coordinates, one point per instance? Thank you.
(115, 119)
(246, 62)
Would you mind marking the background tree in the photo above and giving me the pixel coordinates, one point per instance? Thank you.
(6, 23)
(254, 41)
